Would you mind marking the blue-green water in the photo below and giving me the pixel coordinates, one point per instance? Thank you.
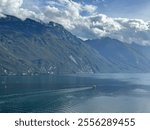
(75, 93)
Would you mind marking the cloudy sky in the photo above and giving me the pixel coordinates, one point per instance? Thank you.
(125, 20)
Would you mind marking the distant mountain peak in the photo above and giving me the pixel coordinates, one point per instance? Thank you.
(127, 57)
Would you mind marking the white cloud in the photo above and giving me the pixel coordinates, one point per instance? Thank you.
(14, 7)
(71, 15)
(10, 6)
(89, 8)
(13, 4)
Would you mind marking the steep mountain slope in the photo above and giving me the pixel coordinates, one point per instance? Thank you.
(29, 47)
(127, 57)
(143, 50)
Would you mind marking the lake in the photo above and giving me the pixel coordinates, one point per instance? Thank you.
(88, 93)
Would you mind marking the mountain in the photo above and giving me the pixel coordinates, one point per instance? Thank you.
(31, 47)
(143, 50)
(126, 57)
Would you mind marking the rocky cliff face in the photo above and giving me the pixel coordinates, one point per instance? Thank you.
(31, 47)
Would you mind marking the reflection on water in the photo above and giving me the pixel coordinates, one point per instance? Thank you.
(75, 93)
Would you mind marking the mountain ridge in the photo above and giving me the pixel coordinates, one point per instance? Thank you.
(31, 47)
(127, 57)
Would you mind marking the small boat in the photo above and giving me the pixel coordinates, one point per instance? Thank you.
(94, 86)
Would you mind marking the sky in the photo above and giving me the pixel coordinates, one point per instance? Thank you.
(122, 8)
(125, 20)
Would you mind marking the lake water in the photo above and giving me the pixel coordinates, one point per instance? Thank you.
(75, 93)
